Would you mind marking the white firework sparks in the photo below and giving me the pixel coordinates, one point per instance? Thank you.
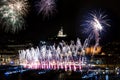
(12, 14)
(46, 7)
(95, 23)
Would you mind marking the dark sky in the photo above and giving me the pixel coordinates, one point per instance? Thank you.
(69, 15)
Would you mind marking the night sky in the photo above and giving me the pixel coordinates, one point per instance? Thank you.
(69, 16)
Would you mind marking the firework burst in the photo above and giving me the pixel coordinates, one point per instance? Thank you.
(12, 14)
(95, 23)
(46, 7)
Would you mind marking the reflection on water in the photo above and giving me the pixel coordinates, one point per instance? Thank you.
(107, 77)
(90, 76)
(16, 73)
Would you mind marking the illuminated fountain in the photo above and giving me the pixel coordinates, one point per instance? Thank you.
(61, 56)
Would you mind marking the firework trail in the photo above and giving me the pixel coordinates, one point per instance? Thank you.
(12, 13)
(96, 22)
(46, 7)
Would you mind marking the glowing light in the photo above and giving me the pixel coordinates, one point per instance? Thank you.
(97, 24)
(12, 14)
(90, 50)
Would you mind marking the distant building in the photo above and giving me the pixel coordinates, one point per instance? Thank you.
(59, 36)
(60, 33)
(9, 53)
